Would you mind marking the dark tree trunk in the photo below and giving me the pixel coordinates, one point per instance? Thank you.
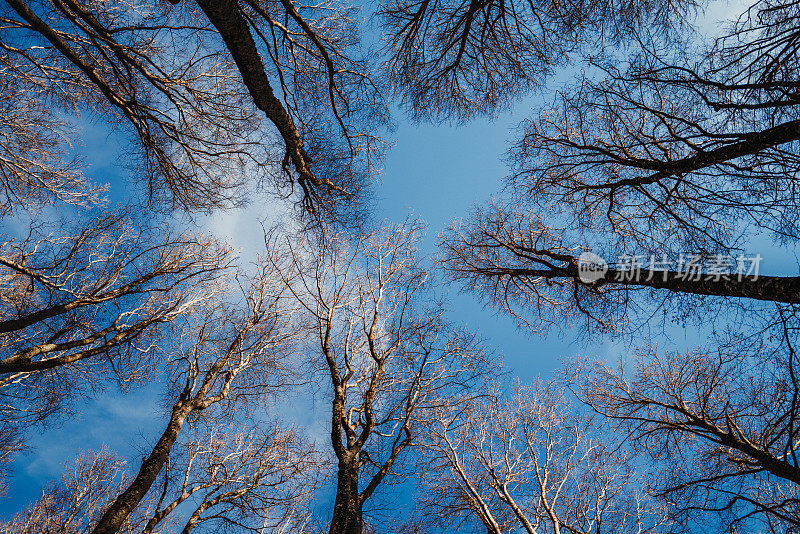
(227, 18)
(347, 515)
(128, 500)
(769, 288)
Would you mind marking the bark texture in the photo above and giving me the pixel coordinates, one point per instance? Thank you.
(116, 515)
(347, 512)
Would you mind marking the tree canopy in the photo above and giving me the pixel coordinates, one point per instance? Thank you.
(660, 155)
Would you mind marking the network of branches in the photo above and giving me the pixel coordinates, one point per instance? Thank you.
(320, 384)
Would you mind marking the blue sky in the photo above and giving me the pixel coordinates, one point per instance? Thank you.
(434, 173)
(438, 174)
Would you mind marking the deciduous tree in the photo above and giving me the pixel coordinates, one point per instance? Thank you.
(669, 154)
(73, 504)
(86, 305)
(222, 358)
(527, 461)
(721, 422)
(200, 88)
(387, 355)
(453, 59)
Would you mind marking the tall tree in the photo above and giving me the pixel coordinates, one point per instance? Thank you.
(246, 479)
(200, 89)
(88, 304)
(672, 154)
(386, 353)
(454, 59)
(220, 356)
(721, 421)
(72, 505)
(231, 474)
(525, 460)
(671, 163)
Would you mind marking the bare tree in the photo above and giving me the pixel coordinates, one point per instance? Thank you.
(667, 155)
(452, 59)
(222, 356)
(721, 420)
(533, 271)
(387, 355)
(11, 442)
(93, 302)
(527, 461)
(255, 479)
(73, 504)
(34, 166)
(248, 480)
(676, 151)
(196, 87)
(87, 305)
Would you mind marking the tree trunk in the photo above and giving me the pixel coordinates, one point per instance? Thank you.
(227, 18)
(770, 288)
(347, 516)
(128, 500)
